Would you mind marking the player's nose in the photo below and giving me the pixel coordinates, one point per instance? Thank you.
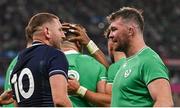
(111, 35)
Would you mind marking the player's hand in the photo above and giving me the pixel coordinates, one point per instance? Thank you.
(73, 86)
(6, 97)
(79, 31)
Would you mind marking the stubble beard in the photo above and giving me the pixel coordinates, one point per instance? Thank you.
(55, 44)
(123, 47)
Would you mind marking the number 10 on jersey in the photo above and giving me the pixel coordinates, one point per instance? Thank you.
(18, 84)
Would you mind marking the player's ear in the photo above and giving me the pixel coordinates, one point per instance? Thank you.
(46, 32)
(131, 31)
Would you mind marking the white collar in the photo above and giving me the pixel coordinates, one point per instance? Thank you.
(71, 52)
(136, 54)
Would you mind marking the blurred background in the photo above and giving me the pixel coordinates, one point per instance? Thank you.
(162, 27)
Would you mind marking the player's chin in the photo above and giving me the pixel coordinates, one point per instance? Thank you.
(117, 47)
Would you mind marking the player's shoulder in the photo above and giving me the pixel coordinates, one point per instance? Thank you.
(53, 51)
(87, 59)
(149, 56)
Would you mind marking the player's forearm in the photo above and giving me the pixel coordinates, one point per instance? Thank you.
(63, 103)
(97, 53)
(163, 103)
(99, 99)
(59, 91)
(101, 58)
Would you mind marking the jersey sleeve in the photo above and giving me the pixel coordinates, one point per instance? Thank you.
(154, 69)
(110, 75)
(113, 70)
(58, 64)
(103, 73)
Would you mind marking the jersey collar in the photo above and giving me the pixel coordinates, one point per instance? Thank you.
(34, 43)
(71, 52)
(139, 52)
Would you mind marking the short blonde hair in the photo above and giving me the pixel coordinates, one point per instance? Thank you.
(36, 21)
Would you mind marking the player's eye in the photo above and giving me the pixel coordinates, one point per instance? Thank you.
(113, 29)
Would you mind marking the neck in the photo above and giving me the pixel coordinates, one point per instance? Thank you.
(135, 46)
(39, 39)
(69, 48)
(118, 56)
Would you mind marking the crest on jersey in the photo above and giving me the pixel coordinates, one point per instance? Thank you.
(127, 73)
(124, 65)
(73, 74)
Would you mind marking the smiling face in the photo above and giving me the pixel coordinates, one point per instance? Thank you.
(119, 35)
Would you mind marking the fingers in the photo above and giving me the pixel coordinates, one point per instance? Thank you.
(9, 91)
(69, 26)
(73, 39)
(6, 94)
(70, 30)
(73, 28)
(5, 102)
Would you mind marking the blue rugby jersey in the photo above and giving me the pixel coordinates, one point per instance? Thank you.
(30, 77)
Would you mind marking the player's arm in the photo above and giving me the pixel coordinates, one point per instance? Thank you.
(99, 55)
(84, 39)
(161, 93)
(58, 79)
(59, 91)
(6, 97)
(155, 75)
(108, 89)
(98, 98)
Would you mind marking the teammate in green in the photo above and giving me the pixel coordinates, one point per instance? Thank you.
(87, 71)
(142, 81)
(90, 91)
(113, 69)
(7, 85)
(117, 59)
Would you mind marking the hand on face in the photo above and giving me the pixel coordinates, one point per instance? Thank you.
(77, 30)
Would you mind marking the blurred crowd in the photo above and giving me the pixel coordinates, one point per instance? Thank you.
(161, 23)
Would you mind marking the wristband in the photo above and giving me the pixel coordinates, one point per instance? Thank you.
(81, 91)
(92, 48)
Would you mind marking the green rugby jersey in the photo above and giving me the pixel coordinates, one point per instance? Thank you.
(88, 71)
(7, 85)
(113, 69)
(132, 79)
